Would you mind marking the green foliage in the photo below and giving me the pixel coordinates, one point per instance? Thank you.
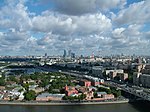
(82, 96)
(95, 94)
(101, 89)
(26, 86)
(116, 93)
(59, 83)
(2, 82)
(20, 90)
(44, 83)
(112, 90)
(25, 77)
(30, 95)
(34, 77)
(13, 78)
(31, 83)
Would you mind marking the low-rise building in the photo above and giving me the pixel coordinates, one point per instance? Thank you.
(108, 96)
(116, 71)
(87, 91)
(69, 90)
(85, 83)
(21, 96)
(39, 89)
(2, 87)
(89, 95)
(99, 94)
(123, 76)
(104, 95)
(112, 74)
(48, 97)
(94, 80)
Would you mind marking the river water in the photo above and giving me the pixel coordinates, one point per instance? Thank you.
(127, 107)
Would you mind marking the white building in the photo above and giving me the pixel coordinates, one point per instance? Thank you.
(21, 96)
(116, 71)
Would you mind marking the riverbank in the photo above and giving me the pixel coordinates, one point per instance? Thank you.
(65, 103)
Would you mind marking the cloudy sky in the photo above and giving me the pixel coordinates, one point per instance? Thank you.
(35, 27)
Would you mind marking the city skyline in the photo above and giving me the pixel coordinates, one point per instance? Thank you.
(84, 26)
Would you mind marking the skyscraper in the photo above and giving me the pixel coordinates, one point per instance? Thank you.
(45, 55)
(69, 53)
(72, 55)
(65, 53)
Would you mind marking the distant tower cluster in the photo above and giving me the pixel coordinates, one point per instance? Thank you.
(70, 54)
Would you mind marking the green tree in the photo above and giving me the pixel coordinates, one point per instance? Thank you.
(50, 90)
(30, 95)
(82, 96)
(2, 82)
(44, 82)
(101, 89)
(95, 95)
(13, 78)
(24, 77)
(116, 93)
(26, 86)
(34, 76)
(20, 90)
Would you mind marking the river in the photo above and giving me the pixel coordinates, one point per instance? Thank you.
(127, 107)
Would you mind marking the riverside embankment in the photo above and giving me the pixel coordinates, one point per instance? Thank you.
(90, 102)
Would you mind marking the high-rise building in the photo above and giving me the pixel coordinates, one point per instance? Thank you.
(65, 53)
(69, 53)
(45, 55)
(81, 56)
(72, 55)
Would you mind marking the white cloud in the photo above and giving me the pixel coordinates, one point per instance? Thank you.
(92, 24)
(128, 38)
(136, 13)
(67, 25)
(53, 23)
(107, 5)
(118, 33)
(15, 16)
